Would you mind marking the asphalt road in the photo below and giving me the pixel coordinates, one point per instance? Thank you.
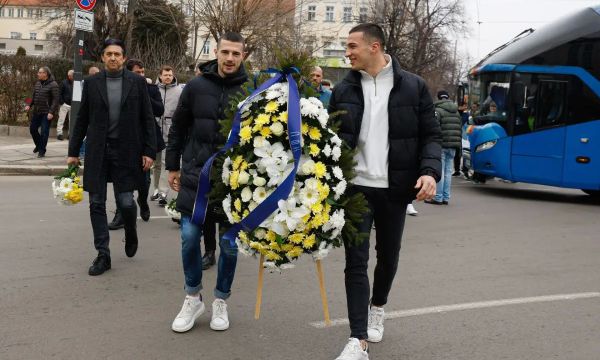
(493, 242)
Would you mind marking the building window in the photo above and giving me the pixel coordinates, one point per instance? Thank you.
(32, 36)
(2, 12)
(11, 12)
(15, 35)
(39, 47)
(312, 13)
(347, 14)
(38, 13)
(329, 13)
(2, 46)
(363, 15)
(206, 47)
(334, 53)
(29, 13)
(19, 12)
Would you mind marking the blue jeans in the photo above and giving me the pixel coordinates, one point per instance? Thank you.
(191, 256)
(443, 187)
(40, 140)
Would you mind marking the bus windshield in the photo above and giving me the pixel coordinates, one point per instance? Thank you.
(490, 92)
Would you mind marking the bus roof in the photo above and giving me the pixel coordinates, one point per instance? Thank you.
(582, 24)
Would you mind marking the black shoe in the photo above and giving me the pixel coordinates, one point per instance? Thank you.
(59, 137)
(117, 222)
(131, 238)
(208, 259)
(35, 149)
(41, 154)
(100, 265)
(456, 173)
(434, 202)
(144, 211)
(445, 202)
(162, 202)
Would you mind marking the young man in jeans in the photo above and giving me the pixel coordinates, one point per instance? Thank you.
(389, 120)
(193, 137)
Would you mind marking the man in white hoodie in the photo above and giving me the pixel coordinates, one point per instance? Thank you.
(169, 91)
(389, 119)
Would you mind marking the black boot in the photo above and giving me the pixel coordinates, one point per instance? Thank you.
(142, 201)
(131, 239)
(100, 265)
(208, 259)
(117, 221)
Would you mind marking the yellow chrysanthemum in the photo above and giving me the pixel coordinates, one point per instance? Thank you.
(247, 122)
(235, 216)
(271, 236)
(283, 117)
(243, 165)
(243, 236)
(314, 149)
(309, 242)
(237, 162)
(317, 207)
(265, 132)
(305, 128)
(287, 247)
(314, 133)
(246, 213)
(317, 220)
(296, 238)
(295, 252)
(263, 119)
(233, 179)
(272, 255)
(305, 218)
(255, 245)
(320, 170)
(238, 204)
(323, 190)
(275, 246)
(246, 133)
(271, 106)
(77, 179)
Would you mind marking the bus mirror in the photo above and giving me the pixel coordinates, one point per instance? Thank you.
(460, 96)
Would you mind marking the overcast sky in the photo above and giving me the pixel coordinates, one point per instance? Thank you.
(501, 20)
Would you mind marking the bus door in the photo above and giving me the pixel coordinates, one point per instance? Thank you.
(538, 147)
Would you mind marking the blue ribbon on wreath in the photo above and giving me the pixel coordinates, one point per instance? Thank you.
(269, 205)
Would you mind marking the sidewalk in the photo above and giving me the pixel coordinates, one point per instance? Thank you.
(17, 157)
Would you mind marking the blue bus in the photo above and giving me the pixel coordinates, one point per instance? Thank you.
(539, 107)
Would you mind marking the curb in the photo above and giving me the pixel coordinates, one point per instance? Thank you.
(38, 170)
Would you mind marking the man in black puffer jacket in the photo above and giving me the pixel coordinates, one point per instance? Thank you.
(193, 138)
(389, 120)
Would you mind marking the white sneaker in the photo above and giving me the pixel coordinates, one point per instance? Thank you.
(192, 308)
(375, 325)
(220, 319)
(410, 210)
(353, 351)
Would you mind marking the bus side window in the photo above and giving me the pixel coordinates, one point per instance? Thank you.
(551, 105)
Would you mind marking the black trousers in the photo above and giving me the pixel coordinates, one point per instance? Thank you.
(110, 167)
(457, 158)
(209, 230)
(389, 219)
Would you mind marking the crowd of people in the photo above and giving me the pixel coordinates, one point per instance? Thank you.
(130, 128)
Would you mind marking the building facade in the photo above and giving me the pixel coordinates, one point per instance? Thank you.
(22, 24)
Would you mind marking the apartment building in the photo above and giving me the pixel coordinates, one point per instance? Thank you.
(22, 24)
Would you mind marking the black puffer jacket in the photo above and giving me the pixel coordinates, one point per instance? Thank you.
(194, 134)
(46, 97)
(414, 133)
(446, 111)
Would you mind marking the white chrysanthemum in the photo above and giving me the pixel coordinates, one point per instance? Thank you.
(336, 153)
(259, 181)
(253, 204)
(308, 109)
(323, 251)
(311, 183)
(243, 178)
(338, 173)
(308, 196)
(336, 139)
(339, 189)
(246, 194)
(313, 100)
(259, 195)
(227, 208)
(323, 118)
(226, 170)
(260, 141)
(277, 128)
(336, 223)
(260, 233)
(244, 248)
(307, 167)
(327, 150)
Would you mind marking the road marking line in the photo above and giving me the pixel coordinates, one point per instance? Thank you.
(467, 306)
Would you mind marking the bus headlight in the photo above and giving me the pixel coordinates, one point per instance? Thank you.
(486, 146)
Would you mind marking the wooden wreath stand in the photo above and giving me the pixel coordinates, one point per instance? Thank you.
(259, 287)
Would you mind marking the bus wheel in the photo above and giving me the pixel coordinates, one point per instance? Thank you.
(478, 178)
(593, 193)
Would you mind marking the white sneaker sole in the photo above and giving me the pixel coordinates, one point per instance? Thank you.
(219, 328)
(374, 340)
(191, 323)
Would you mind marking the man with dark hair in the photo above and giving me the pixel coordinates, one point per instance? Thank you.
(136, 66)
(194, 136)
(116, 116)
(389, 120)
(44, 103)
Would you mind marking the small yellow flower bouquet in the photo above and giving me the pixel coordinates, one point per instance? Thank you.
(171, 210)
(67, 188)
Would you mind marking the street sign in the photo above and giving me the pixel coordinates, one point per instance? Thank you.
(84, 20)
(87, 5)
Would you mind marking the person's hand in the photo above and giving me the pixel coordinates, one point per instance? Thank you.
(427, 185)
(147, 162)
(73, 160)
(27, 108)
(174, 180)
(50, 117)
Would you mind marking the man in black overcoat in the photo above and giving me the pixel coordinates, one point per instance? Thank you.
(116, 116)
